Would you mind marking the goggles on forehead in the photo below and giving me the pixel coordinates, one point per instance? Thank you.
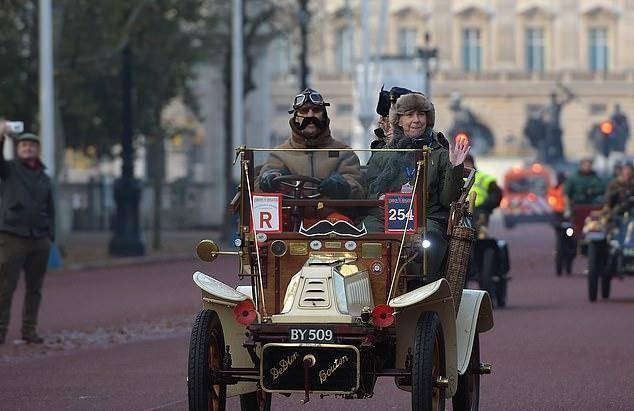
(308, 96)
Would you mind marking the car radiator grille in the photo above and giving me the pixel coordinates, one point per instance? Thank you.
(358, 292)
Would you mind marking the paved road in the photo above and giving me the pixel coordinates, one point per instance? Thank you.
(117, 340)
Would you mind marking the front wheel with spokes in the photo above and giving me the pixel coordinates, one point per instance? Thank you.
(206, 352)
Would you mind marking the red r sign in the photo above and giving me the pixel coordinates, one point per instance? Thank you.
(267, 212)
(265, 218)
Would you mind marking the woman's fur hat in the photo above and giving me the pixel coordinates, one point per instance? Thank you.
(413, 101)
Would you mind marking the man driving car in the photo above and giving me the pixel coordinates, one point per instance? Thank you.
(339, 171)
(619, 191)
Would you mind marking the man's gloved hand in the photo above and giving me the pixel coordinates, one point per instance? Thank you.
(335, 187)
(266, 181)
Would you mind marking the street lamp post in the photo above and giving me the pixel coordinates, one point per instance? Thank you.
(126, 241)
(304, 19)
(428, 55)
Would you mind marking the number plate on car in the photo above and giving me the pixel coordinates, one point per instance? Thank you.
(335, 369)
(311, 335)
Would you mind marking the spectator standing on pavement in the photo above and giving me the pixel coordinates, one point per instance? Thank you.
(27, 228)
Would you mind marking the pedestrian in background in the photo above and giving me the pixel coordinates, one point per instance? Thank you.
(27, 229)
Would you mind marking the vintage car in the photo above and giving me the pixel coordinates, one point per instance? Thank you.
(327, 309)
(491, 265)
(570, 238)
(525, 195)
(610, 249)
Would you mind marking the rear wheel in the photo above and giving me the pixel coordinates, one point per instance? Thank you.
(488, 268)
(569, 261)
(428, 364)
(595, 264)
(255, 401)
(206, 352)
(500, 291)
(467, 397)
(559, 253)
(606, 282)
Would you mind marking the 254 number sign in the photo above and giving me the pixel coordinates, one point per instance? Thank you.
(398, 213)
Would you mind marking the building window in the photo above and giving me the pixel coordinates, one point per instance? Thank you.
(598, 49)
(282, 56)
(471, 49)
(407, 41)
(343, 50)
(534, 49)
(597, 109)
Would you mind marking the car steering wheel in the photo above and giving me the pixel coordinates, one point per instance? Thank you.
(298, 186)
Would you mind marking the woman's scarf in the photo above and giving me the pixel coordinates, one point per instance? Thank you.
(398, 161)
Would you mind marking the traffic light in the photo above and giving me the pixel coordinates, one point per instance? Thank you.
(606, 128)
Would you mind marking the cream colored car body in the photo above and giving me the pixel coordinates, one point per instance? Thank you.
(475, 315)
(222, 299)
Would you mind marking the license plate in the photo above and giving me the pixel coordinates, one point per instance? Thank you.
(336, 368)
(320, 335)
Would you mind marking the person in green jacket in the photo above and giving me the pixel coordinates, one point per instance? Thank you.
(585, 186)
(412, 117)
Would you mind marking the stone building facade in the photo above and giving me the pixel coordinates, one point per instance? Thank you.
(503, 57)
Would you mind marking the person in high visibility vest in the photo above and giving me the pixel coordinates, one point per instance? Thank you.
(488, 193)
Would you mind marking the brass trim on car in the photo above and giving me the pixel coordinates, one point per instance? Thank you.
(337, 255)
(356, 350)
(298, 248)
(371, 250)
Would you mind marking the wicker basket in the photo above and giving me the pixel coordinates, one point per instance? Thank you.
(459, 253)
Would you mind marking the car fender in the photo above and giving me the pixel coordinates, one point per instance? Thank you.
(433, 297)
(222, 299)
(475, 315)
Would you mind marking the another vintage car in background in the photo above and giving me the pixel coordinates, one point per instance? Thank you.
(610, 246)
(327, 309)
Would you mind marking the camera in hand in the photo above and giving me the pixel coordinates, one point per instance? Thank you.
(15, 127)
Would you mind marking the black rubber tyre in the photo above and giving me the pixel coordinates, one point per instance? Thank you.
(500, 291)
(428, 364)
(569, 260)
(206, 352)
(594, 269)
(467, 397)
(606, 282)
(488, 268)
(255, 401)
(559, 254)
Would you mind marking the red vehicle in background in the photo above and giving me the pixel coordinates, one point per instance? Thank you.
(527, 197)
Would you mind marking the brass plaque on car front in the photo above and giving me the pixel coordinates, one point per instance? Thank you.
(371, 250)
(298, 248)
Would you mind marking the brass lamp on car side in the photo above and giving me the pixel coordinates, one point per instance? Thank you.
(208, 250)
